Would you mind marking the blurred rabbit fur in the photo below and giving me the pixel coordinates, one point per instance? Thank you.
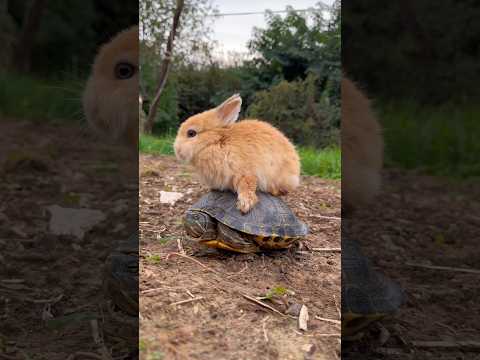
(362, 149)
(240, 156)
(110, 100)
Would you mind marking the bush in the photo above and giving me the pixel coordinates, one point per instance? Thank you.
(305, 116)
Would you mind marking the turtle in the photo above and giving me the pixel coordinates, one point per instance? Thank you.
(121, 276)
(367, 295)
(215, 221)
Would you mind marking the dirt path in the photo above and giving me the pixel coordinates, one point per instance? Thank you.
(432, 222)
(216, 321)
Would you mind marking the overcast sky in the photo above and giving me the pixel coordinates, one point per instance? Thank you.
(233, 32)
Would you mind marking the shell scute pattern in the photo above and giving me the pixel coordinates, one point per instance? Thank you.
(271, 217)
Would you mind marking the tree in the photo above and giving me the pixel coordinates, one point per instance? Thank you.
(193, 40)
(289, 46)
(165, 68)
(26, 40)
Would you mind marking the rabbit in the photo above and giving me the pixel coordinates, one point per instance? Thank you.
(362, 149)
(239, 156)
(110, 99)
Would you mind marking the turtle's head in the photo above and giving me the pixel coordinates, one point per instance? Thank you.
(200, 225)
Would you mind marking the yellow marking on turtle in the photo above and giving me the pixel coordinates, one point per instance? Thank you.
(221, 245)
(259, 239)
(352, 322)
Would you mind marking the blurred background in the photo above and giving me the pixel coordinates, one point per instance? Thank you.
(47, 50)
(54, 174)
(419, 61)
(284, 62)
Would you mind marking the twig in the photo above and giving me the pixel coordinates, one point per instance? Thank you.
(448, 268)
(84, 354)
(327, 335)
(466, 344)
(262, 304)
(194, 260)
(148, 291)
(265, 335)
(46, 301)
(338, 322)
(180, 246)
(327, 249)
(95, 333)
(7, 357)
(327, 217)
(337, 307)
(186, 301)
(190, 294)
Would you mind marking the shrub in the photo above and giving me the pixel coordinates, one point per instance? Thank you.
(305, 116)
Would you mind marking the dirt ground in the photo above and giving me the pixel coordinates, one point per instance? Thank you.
(421, 221)
(51, 298)
(193, 307)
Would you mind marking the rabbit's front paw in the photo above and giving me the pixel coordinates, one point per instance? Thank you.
(246, 201)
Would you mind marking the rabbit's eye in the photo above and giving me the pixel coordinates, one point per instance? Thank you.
(191, 133)
(124, 70)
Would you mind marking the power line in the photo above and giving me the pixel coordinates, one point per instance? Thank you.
(260, 12)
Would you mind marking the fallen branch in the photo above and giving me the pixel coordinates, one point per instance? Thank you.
(194, 260)
(84, 355)
(186, 301)
(443, 344)
(447, 268)
(338, 322)
(7, 357)
(327, 249)
(327, 217)
(258, 302)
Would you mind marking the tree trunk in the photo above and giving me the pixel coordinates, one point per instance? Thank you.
(164, 69)
(31, 24)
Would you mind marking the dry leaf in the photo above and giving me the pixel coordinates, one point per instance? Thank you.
(303, 318)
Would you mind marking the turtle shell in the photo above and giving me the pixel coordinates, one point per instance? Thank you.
(365, 291)
(269, 217)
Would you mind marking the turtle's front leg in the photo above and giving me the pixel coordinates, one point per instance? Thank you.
(229, 239)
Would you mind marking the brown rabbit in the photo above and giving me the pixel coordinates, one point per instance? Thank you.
(110, 100)
(362, 148)
(243, 156)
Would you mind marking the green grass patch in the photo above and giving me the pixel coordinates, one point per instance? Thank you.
(325, 163)
(441, 140)
(153, 259)
(40, 99)
(156, 145)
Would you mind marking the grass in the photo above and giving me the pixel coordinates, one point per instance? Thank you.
(324, 163)
(441, 140)
(156, 145)
(37, 99)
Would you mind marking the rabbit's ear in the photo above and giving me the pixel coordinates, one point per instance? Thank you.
(228, 111)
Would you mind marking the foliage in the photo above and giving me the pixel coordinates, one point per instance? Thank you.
(23, 96)
(298, 110)
(292, 78)
(427, 51)
(443, 143)
(289, 46)
(325, 163)
(71, 31)
(192, 42)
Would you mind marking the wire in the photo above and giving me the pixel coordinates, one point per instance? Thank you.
(259, 12)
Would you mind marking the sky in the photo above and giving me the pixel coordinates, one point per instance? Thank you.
(233, 32)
